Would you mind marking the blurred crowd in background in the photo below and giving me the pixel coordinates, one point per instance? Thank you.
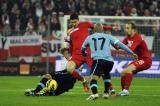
(29, 17)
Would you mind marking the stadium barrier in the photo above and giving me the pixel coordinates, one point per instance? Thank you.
(15, 47)
(11, 68)
(40, 68)
(31, 46)
(120, 63)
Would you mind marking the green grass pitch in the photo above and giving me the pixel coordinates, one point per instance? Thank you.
(143, 92)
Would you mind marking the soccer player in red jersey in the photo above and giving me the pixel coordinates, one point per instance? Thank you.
(77, 35)
(137, 44)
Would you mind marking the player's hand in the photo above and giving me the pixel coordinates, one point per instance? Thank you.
(69, 30)
(67, 38)
(113, 27)
(135, 56)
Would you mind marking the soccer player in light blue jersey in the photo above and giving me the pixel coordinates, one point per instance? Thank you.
(99, 44)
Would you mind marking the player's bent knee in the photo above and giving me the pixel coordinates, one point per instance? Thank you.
(94, 77)
(128, 70)
(71, 66)
(124, 72)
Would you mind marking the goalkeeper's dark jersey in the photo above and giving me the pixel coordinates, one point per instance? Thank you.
(64, 80)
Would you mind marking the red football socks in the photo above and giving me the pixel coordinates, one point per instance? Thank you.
(77, 75)
(127, 81)
(123, 82)
(110, 86)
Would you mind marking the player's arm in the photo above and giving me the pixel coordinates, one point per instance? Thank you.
(124, 47)
(117, 47)
(89, 24)
(127, 49)
(68, 41)
(118, 43)
(105, 27)
(84, 46)
(133, 46)
(68, 37)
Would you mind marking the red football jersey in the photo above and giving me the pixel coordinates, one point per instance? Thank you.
(78, 36)
(138, 46)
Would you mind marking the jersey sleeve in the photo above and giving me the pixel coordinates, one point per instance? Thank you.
(113, 40)
(107, 27)
(90, 24)
(124, 47)
(86, 24)
(119, 44)
(125, 41)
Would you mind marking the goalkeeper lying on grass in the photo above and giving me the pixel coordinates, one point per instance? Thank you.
(57, 82)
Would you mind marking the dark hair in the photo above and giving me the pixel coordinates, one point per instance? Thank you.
(74, 16)
(133, 25)
(62, 50)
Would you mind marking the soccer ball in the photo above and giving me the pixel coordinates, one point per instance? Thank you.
(51, 85)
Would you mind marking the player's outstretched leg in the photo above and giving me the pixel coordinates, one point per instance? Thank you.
(112, 93)
(106, 88)
(126, 81)
(93, 97)
(39, 87)
(85, 85)
(112, 90)
(124, 92)
(93, 86)
(29, 92)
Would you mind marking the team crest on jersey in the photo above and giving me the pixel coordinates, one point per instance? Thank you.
(130, 43)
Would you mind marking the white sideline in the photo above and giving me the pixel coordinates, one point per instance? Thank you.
(82, 93)
(148, 95)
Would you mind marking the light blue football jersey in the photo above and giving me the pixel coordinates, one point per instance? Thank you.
(99, 44)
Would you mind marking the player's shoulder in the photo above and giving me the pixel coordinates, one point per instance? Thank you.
(90, 37)
(85, 23)
(138, 36)
(126, 37)
(99, 35)
(94, 35)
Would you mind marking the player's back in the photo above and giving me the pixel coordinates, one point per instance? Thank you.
(78, 35)
(100, 46)
(138, 45)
